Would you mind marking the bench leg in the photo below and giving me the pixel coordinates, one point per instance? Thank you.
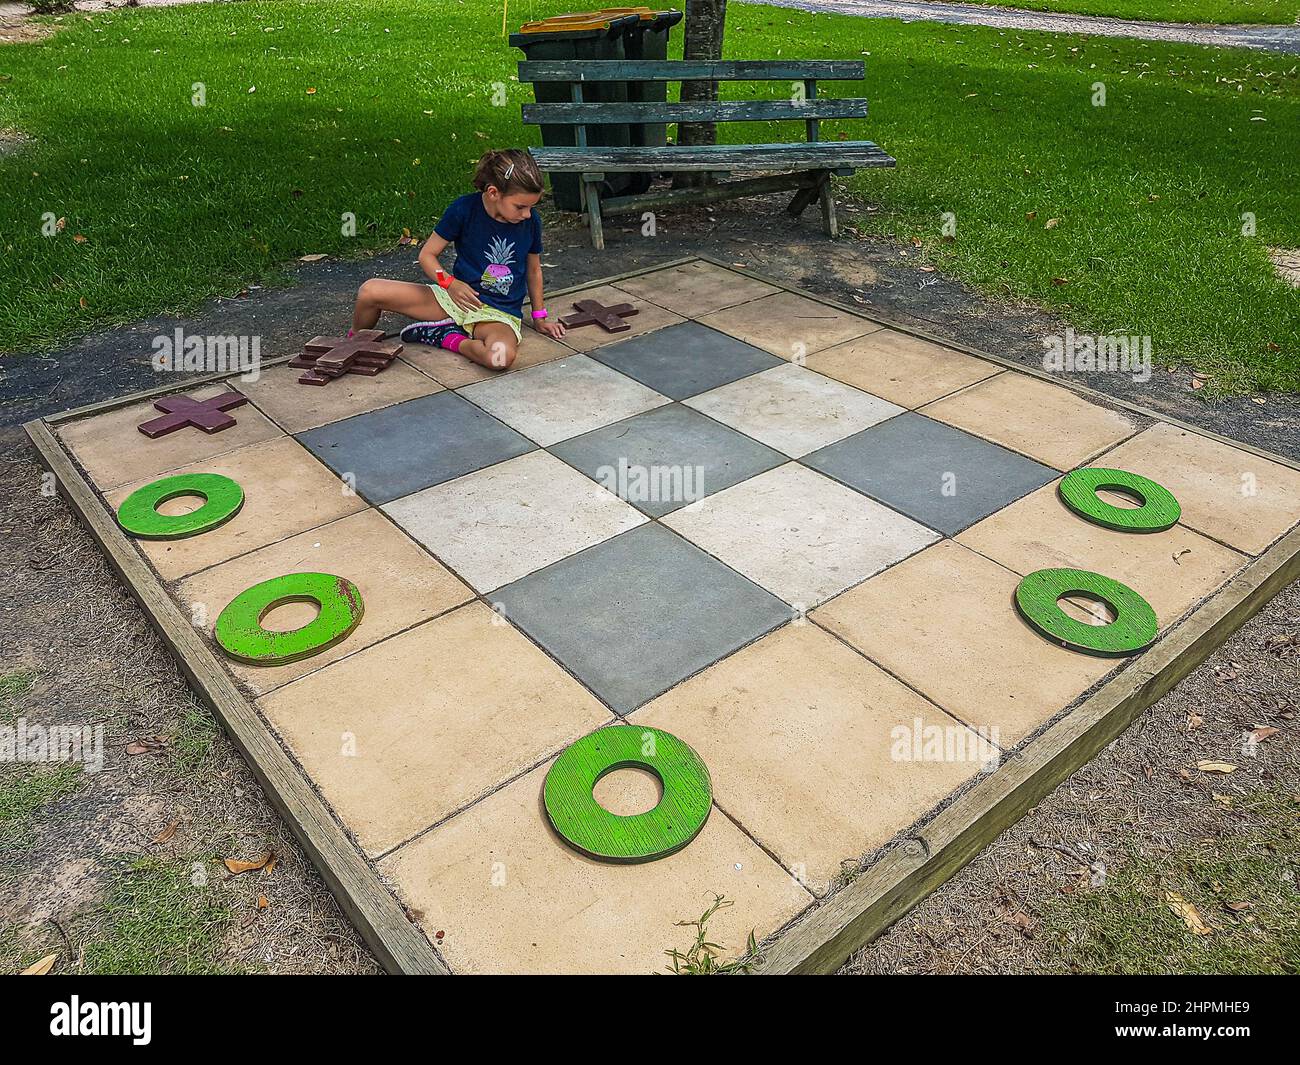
(828, 206)
(593, 215)
(802, 199)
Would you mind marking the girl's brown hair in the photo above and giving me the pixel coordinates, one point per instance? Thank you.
(510, 170)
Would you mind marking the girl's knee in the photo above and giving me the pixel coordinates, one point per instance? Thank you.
(502, 352)
(370, 291)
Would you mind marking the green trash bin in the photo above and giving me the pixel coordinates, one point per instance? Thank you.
(646, 39)
(585, 36)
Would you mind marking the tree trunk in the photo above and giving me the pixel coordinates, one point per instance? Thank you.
(703, 40)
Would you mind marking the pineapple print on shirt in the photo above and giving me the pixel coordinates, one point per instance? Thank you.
(498, 277)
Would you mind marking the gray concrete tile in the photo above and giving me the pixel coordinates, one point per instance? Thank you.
(932, 472)
(666, 458)
(634, 615)
(686, 359)
(402, 449)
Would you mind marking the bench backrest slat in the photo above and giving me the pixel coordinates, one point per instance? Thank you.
(691, 70)
(703, 111)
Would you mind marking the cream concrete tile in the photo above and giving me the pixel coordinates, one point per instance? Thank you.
(799, 534)
(1037, 418)
(512, 897)
(404, 732)
(648, 317)
(900, 368)
(696, 288)
(1172, 570)
(562, 399)
(1232, 495)
(503, 522)
(789, 325)
(400, 585)
(945, 622)
(298, 407)
(113, 452)
(455, 370)
(829, 735)
(793, 409)
(286, 491)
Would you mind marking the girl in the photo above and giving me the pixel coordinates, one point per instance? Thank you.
(476, 311)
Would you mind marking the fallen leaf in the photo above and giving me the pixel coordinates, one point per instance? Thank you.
(60, 225)
(1051, 223)
(166, 833)
(314, 257)
(79, 239)
(1208, 766)
(1194, 721)
(262, 902)
(41, 967)
(1237, 907)
(1188, 913)
(1030, 215)
(311, 92)
(237, 866)
(1197, 383)
(1058, 281)
(1264, 733)
(146, 745)
(1222, 800)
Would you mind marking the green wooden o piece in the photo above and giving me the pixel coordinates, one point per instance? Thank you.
(239, 627)
(1159, 509)
(138, 514)
(590, 828)
(1133, 629)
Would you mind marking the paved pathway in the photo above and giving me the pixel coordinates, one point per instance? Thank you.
(1268, 38)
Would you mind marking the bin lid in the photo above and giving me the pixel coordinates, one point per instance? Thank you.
(582, 20)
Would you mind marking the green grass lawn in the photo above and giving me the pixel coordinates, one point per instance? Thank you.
(1226, 12)
(177, 203)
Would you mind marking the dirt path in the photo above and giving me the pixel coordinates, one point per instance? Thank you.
(1267, 38)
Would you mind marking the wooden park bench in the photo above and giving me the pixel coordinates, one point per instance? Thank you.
(803, 165)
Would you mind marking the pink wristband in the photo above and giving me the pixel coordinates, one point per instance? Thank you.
(540, 314)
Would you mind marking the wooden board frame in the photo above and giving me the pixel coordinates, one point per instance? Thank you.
(825, 934)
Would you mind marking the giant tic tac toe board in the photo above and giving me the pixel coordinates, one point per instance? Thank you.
(765, 534)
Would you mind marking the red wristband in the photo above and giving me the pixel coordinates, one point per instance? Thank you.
(443, 280)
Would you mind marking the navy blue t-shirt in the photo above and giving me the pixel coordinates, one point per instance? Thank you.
(491, 256)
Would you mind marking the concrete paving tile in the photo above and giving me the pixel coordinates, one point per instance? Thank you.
(400, 585)
(696, 288)
(634, 615)
(399, 450)
(403, 733)
(793, 409)
(286, 491)
(944, 621)
(836, 742)
(296, 407)
(1037, 418)
(511, 897)
(1232, 495)
(496, 525)
(666, 458)
(113, 452)
(685, 359)
(1172, 570)
(903, 369)
(799, 534)
(562, 399)
(788, 325)
(930, 471)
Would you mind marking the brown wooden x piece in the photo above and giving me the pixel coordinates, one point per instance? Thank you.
(325, 358)
(609, 319)
(205, 414)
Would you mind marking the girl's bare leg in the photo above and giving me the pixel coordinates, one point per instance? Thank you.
(405, 297)
(492, 345)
